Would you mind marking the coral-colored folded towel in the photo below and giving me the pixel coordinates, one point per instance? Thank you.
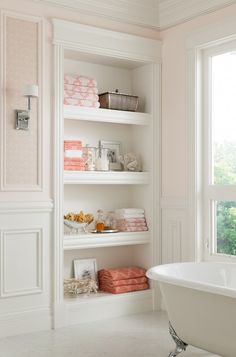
(81, 102)
(80, 89)
(121, 273)
(80, 80)
(77, 95)
(124, 289)
(72, 144)
(113, 283)
(74, 162)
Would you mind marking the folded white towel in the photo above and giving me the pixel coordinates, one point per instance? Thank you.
(129, 210)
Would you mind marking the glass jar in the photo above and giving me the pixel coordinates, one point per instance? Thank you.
(110, 221)
(100, 224)
(89, 155)
(102, 160)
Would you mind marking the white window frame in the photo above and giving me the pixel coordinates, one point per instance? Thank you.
(211, 192)
(211, 36)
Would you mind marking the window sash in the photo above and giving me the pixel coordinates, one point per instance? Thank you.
(211, 192)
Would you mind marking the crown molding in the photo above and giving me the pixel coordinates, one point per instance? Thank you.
(174, 12)
(136, 12)
(154, 14)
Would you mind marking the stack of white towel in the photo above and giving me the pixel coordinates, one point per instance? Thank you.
(80, 91)
(131, 220)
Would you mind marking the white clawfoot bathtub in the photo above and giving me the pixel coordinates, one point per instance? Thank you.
(200, 300)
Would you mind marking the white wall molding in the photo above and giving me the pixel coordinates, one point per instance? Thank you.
(26, 207)
(10, 239)
(174, 12)
(173, 236)
(157, 14)
(138, 12)
(88, 39)
(26, 321)
(25, 266)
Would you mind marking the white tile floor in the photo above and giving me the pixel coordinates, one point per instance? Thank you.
(142, 335)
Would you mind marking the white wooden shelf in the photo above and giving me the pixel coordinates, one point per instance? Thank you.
(93, 240)
(103, 305)
(106, 296)
(106, 177)
(106, 115)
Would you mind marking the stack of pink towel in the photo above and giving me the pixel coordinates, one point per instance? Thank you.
(122, 280)
(131, 220)
(80, 91)
(73, 155)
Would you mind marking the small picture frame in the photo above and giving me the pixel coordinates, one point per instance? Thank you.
(114, 148)
(85, 268)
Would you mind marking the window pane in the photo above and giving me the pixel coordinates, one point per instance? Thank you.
(224, 118)
(225, 227)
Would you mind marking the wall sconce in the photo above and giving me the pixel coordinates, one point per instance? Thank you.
(23, 116)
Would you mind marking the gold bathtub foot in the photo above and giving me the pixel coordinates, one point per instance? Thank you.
(180, 345)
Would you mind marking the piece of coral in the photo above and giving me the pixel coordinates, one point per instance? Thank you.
(130, 162)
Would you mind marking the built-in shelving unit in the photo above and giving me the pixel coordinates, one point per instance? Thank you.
(131, 64)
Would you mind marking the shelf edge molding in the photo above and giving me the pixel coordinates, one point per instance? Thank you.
(105, 178)
(106, 115)
(91, 240)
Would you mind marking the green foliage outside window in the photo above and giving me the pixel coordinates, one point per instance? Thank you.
(225, 174)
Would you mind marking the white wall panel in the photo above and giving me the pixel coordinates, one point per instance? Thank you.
(174, 235)
(21, 262)
(25, 267)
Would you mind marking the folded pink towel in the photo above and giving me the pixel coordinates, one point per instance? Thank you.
(80, 89)
(130, 215)
(81, 102)
(77, 95)
(131, 220)
(80, 80)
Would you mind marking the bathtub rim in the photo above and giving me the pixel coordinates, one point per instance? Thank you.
(163, 277)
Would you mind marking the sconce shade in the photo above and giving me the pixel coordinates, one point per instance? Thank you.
(31, 90)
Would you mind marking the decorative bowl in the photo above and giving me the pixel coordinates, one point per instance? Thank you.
(78, 227)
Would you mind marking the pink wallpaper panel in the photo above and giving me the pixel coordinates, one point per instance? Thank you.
(21, 159)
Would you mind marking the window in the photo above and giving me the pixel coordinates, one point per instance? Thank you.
(219, 154)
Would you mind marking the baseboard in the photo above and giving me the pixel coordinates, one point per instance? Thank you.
(107, 307)
(25, 322)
